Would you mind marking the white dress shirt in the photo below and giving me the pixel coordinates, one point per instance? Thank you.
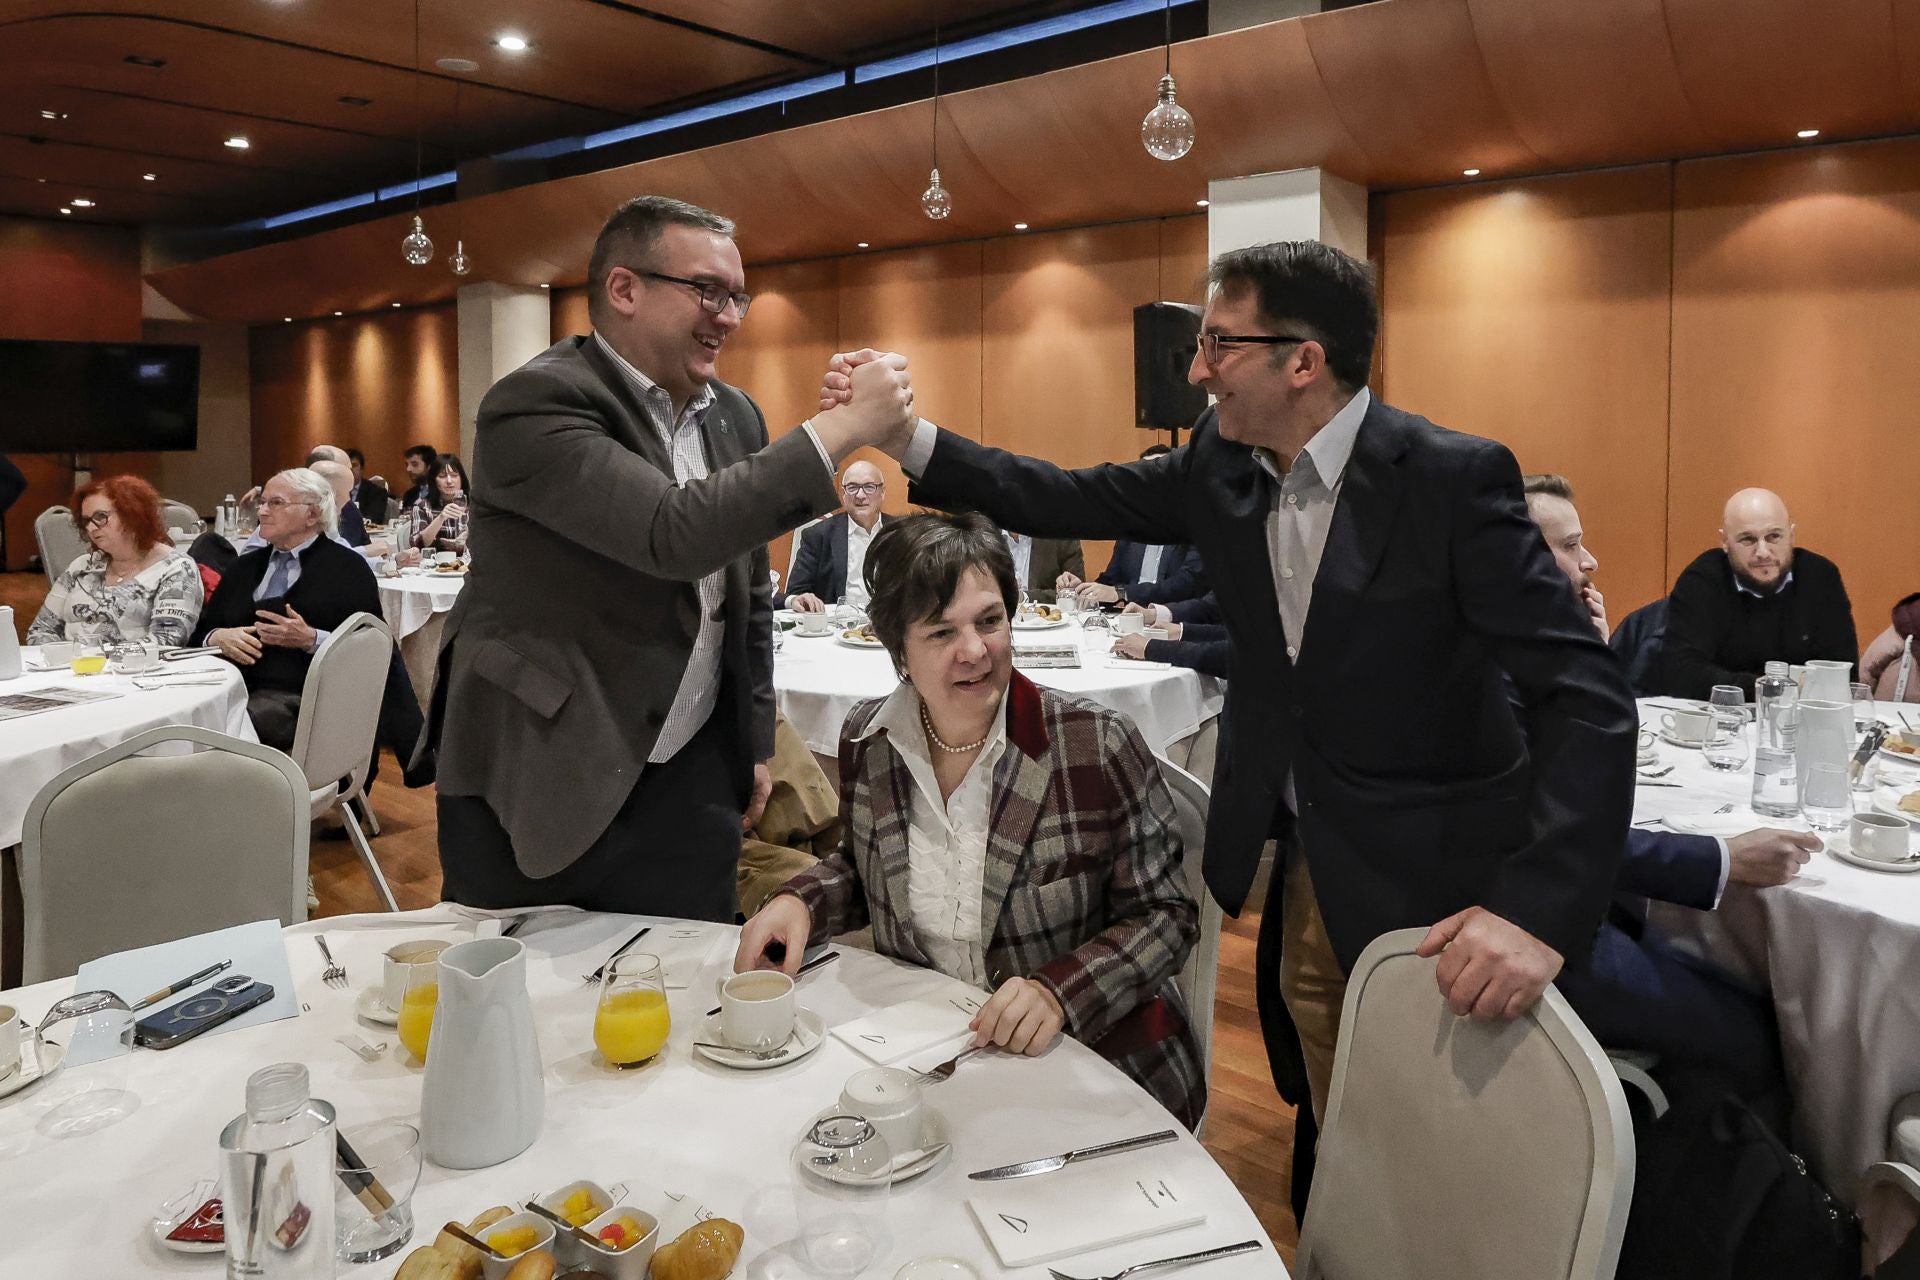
(1022, 548)
(858, 540)
(1150, 564)
(946, 840)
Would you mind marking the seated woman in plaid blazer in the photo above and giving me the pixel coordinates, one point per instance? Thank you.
(1006, 835)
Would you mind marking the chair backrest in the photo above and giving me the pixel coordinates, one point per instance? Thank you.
(61, 543)
(340, 702)
(127, 850)
(1640, 641)
(1457, 1147)
(1200, 974)
(793, 550)
(182, 521)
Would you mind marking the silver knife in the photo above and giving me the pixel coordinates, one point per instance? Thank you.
(1047, 1164)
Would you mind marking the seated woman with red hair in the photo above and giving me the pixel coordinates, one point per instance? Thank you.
(133, 585)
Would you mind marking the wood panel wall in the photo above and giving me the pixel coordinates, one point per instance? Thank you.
(1665, 335)
(380, 382)
(62, 282)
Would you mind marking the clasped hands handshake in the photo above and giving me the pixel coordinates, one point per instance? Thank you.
(866, 398)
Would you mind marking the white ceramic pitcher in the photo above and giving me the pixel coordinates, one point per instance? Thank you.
(484, 1098)
(1828, 681)
(1826, 735)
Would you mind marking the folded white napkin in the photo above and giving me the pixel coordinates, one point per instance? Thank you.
(1714, 824)
(901, 1030)
(1081, 1208)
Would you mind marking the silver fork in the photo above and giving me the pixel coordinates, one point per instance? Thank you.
(334, 975)
(934, 1075)
(1205, 1255)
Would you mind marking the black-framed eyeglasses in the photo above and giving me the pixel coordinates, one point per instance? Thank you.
(274, 504)
(861, 489)
(1210, 343)
(98, 520)
(714, 296)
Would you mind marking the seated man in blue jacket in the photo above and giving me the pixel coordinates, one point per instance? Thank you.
(1636, 992)
(1138, 573)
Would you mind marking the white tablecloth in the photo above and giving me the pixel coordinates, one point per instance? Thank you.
(818, 680)
(34, 749)
(1840, 947)
(681, 1125)
(416, 607)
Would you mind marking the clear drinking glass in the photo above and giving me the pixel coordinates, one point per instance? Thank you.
(842, 1177)
(1826, 801)
(1726, 747)
(378, 1166)
(415, 1016)
(1862, 707)
(631, 1023)
(1776, 786)
(95, 1032)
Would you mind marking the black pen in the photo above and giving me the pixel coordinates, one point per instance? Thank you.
(184, 983)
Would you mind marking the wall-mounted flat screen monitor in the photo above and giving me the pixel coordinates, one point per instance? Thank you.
(97, 397)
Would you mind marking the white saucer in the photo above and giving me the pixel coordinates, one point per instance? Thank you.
(38, 1060)
(1650, 758)
(1840, 850)
(1886, 801)
(1038, 624)
(936, 1142)
(1680, 742)
(809, 1031)
(371, 1005)
(840, 637)
(175, 1210)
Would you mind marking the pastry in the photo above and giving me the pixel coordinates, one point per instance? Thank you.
(537, 1265)
(465, 1258)
(426, 1263)
(705, 1251)
(487, 1219)
(1910, 802)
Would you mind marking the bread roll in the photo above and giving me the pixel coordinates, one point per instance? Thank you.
(705, 1251)
(536, 1264)
(425, 1263)
(487, 1219)
(465, 1258)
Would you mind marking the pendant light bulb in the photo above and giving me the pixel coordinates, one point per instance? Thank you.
(416, 248)
(1168, 129)
(458, 263)
(935, 201)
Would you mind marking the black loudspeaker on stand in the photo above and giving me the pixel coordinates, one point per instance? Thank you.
(1165, 336)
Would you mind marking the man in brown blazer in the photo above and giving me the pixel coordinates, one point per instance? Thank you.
(605, 703)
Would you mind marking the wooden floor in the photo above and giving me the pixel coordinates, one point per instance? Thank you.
(1248, 1130)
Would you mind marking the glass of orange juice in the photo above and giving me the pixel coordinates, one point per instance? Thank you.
(416, 1008)
(89, 658)
(630, 1025)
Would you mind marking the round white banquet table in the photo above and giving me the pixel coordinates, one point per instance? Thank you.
(80, 1205)
(818, 680)
(36, 748)
(1839, 947)
(415, 606)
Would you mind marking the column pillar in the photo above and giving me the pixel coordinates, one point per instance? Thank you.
(1299, 204)
(502, 326)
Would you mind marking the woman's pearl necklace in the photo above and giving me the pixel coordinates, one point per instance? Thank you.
(934, 737)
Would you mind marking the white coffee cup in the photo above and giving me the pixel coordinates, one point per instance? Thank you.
(816, 624)
(888, 1099)
(446, 557)
(9, 1040)
(57, 654)
(399, 960)
(1129, 624)
(1692, 725)
(756, 1009)
(1877, 836)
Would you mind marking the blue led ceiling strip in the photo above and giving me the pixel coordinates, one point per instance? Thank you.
(1027, 33)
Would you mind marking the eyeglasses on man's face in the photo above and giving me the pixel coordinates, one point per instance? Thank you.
(274, 504)
(98, 520)
(714, 296)
(862, 489)
(1212, 344)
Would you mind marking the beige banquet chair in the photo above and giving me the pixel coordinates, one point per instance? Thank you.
(1456, 1147)
(182, 521)
(334, 735)
(127, 850)
(1200, 974)
(61, 542)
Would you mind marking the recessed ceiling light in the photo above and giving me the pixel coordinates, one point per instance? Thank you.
(1019, 226)
(288, 319)
(864, 245)
(65, 210)
(396, 304)
(1201, 204)
(462, 65)
(1807, 133)
(511, 43)
(52, 115)
(149, 177)
(546, 286)
(339, 313)
(152, 64)
(1470, 173)
(81, 202)
(350, 100)
(238, 142)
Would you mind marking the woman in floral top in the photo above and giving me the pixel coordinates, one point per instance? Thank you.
(440, 513)
(133, 585)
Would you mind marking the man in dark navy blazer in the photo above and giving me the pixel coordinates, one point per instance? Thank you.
(833, 551)
(1379, 579)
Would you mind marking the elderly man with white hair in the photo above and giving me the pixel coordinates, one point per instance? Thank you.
(278, 602)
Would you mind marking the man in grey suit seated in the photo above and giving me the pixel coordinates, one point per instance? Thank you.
(605, 704)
